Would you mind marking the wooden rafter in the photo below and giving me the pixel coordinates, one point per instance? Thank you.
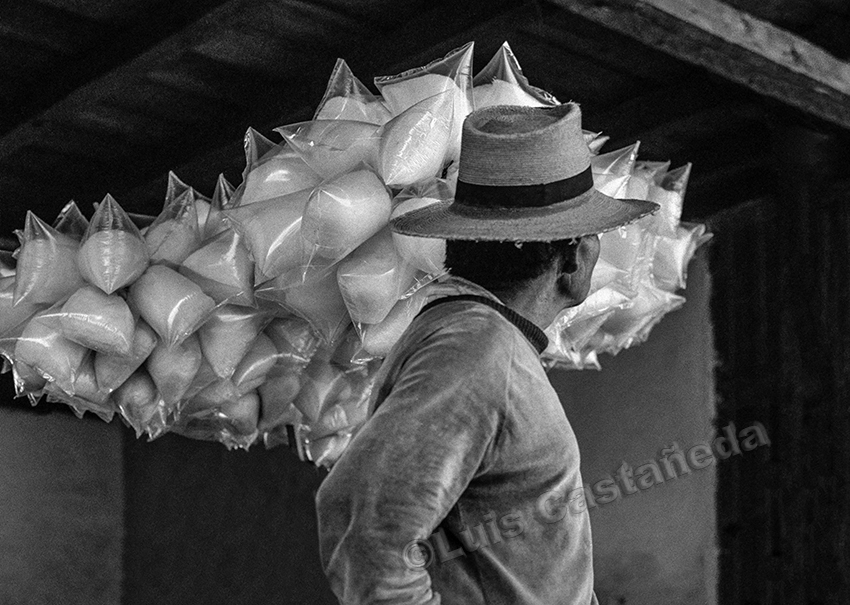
(734, 45)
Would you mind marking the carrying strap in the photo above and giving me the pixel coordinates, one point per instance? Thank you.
(534, 334)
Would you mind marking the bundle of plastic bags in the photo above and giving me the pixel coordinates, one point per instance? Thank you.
(260, 314)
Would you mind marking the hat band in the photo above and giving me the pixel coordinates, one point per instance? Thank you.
(524, 196)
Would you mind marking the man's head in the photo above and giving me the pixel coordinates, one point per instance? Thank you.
(524, 176)
(562, 267)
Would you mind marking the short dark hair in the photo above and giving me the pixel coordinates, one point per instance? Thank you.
(506, 266)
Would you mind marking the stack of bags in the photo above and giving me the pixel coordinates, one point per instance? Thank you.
(263, 312)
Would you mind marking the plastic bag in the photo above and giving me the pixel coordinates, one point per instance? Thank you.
(373, 278)
(501, 82)
(111, 371)
(604, 273)
(575, 326)
(140, 405)
(414, 145)
(631, 325)
(343, 213)
(71, 221)
(424, 253)
(11, 315)
(452, 74)
(669, 192)
(595, 141)
(228, 335)
(28, 381)
(86, 395)
(223, 268)
(318, 300)
(271, 171)
(113, 253)
(347, 98)
(333, 147)
(254, 367)
(98, 321)
(47, 264)
(174, 235)
(379, 338)
(294, 344)
(221, 200)
(172, 304)
(173, 369)
(644, 176)
(631, 249)
(42, 346)
(271, 231)
(219, 413)
(672, 255)
(612, 170)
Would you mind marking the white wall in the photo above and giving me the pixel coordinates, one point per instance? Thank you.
(657, 545)
(61, 510)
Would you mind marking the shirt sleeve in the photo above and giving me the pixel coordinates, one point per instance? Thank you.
(409, 464)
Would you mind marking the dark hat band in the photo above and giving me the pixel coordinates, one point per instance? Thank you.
(524, 196)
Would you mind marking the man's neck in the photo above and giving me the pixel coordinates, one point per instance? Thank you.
(537, 302)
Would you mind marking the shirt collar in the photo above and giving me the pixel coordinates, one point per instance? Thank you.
(449, 285)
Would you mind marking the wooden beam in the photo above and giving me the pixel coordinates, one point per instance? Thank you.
(734, 45)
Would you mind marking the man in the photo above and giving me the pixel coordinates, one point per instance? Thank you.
(458, 489)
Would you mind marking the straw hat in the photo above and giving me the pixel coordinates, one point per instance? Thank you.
(525, 176)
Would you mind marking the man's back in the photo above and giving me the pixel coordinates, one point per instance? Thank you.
(468, 449)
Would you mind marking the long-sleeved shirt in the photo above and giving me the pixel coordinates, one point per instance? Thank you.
(463, 488)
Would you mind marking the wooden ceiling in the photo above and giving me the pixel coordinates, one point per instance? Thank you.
(107, 96)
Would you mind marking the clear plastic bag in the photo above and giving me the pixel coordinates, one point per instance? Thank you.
(219, 413)
(295, 345)
(86, 395)
(98, 321)
(452, 73)
(673, 254)
(347, 98)
(254, 367)
(228, 335)
(42, 346)
(574, 327)
(271, 171)
(612, 170)
(111, 371)
(12, 315)
(47, 264)
(373, 278)
(379, 338)
(319, 301)
(271, 231)
(594, 140)
(631, 249)
(644, 177)
(424, 253)
(669, 192)
(221, 200)
(141, 406)
(172, 304)
(415, 144)
(333, 147)
(71, 221)
(113, 253)
(343, 213)
(223, 269)
(174, 235)
(174, 369)
(631, 325)
(501, 82)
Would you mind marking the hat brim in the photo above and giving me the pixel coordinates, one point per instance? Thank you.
(591, 212)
